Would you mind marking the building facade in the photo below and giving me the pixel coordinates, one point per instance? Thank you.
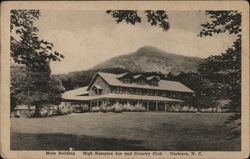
(152, 92)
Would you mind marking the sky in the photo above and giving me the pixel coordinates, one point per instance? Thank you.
(87, 38)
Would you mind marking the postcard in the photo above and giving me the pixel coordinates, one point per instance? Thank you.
(125, 79)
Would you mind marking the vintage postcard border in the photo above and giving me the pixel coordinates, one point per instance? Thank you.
(102, 5)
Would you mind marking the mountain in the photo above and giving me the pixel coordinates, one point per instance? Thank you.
(151, 59)
(148, 60)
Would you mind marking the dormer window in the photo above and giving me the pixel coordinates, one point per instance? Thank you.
(154, 83)
(141, 82)
(97, 89)
(127, 80)
(139, 79)
(125, 77)
(153, 80)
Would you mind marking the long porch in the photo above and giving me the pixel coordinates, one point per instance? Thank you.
(150, 103)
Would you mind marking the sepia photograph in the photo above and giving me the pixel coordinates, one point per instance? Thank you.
(133, 80)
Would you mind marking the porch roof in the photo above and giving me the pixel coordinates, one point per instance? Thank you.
(121, 96)
(75, 93)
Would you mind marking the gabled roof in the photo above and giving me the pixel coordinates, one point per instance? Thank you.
(97, 86)
(152, 77)
(122, 75)
(139, 76)
(112, 80)
(75, 92)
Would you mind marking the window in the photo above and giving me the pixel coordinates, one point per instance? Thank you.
(115, 90)
(99, 91)
(151, 92)
(154, 83)
(141, 82)
(95, 90)
(154, 92)
(124, 90)
(120, 90)
(137, 91)
(130, 90)
(140, 91)
(159, 93)
(127, 80)
(163, 93)
(134, 91)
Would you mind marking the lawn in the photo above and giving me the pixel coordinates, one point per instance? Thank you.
(124, 131)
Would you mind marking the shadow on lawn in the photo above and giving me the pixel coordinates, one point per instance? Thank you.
(59, 141)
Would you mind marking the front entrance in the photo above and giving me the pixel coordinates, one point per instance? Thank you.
(152, 106)
(161, 106)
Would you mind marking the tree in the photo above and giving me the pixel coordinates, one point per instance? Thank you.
(18, 82)
(34, 55)
(26, 47)
(155, 18)
(170, 76)
(224, 71)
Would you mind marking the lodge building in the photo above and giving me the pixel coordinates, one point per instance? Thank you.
(152, 92)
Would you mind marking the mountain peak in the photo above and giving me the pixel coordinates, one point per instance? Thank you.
(147, 49)
(152, 59)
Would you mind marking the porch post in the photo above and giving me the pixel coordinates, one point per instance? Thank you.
(148, 106)
(156, 105)
(108, 101)
(90, 106)
(165, 106)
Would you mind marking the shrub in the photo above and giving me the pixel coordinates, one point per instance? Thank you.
(127, 107)
(29, 114)
(117, 108)
(185, 109)
(191, 109)
(109, 109)
(214, 110)
(84, 108)
(64, 109)
(50, 112)
(95, 109)
(171, 109)
(209, 110)
(103, 107)
(43, 112)
(139, 108)
(219, 110)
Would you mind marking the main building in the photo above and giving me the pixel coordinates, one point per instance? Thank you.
(152, 92)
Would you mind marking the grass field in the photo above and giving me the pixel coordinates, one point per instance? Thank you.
(124, 131)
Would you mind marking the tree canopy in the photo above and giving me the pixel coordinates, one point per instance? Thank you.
(221, 22)
(26, 47)
(33, 85)
(154, 17)
(224, 70)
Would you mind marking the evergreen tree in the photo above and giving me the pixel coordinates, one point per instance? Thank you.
(224, 71)
(34, 55)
